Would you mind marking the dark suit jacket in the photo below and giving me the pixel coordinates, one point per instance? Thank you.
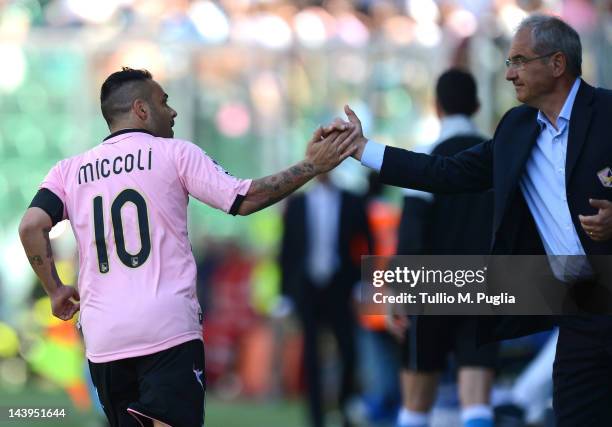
(354, 240)
(499, 164)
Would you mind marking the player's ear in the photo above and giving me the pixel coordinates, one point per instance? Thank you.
(141, 109)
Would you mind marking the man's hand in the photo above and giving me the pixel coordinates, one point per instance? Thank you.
(64, 302)
(360, 140)
(326, 152)
(598, 226)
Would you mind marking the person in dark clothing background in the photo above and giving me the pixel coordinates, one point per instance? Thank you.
(325, 233)
(458, 224)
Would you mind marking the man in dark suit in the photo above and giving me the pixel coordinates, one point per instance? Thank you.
(325, 233)
(549, 167)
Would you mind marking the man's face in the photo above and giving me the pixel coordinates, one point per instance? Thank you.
(532, 80)
(161, 117)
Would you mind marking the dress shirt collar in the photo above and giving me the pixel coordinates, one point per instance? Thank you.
(454, 125)
(566, 110)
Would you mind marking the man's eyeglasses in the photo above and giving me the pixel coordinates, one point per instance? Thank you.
(517, 62)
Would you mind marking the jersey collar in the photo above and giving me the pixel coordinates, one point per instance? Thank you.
(122, 131)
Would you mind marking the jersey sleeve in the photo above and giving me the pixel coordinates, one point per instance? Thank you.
(206, 180)
(54, 182)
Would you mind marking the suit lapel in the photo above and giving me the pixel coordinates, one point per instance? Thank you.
(526, 137)
(513, 157)
(580, 120)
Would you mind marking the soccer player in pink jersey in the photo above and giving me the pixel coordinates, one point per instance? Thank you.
(126, 200)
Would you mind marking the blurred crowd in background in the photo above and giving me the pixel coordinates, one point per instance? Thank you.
(250, 80)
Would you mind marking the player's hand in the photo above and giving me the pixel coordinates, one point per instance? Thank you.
(326, 152)
(337, 125)
(64, 302)
(360, 140)
(599, 226)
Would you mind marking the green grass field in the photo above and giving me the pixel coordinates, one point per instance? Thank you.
(218, 413)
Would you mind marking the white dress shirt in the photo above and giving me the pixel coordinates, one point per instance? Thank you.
(322, 218)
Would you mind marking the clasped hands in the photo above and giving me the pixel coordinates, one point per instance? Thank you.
(598, 227)
(333, 143)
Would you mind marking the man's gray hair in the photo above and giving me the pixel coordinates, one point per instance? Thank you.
(550, 34)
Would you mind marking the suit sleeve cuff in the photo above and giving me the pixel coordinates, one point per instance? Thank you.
(373, 155)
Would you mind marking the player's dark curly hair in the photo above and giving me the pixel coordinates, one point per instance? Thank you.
(120, 89)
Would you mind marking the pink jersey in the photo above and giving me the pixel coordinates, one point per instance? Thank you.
(127, 203)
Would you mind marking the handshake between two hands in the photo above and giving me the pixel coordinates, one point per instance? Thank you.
(333, 143)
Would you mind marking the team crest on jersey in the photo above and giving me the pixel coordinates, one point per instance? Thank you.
(217, 165)
(605, 177)
(104, 267)
(134, 261)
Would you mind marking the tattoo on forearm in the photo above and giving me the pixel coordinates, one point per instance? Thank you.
(275, 187)
(36, 260)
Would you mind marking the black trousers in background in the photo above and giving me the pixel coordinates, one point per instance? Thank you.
(327, 306)
(582, 372)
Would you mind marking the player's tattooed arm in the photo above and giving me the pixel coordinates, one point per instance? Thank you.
(270, 189)
(322, 155)
(36, 260)
(34, 233)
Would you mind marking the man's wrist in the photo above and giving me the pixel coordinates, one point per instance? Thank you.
(373, 155)
(361, 143)
(54, 289)
(309, 168)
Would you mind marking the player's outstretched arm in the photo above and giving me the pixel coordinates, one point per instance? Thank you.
(322, 155)
(34, 232)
